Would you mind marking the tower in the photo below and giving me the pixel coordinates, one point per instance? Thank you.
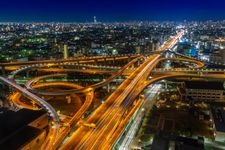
(95, 20)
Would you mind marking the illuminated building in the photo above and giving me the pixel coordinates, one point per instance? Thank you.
(204, 91)
(65, 51)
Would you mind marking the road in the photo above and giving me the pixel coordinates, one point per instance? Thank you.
(16, 97)
(150, 95)
(108, 116)
(62, 131)
(87, 71)
(199, 64)
(115, 112)
(79, 60)
(80, 90)
(48, 67)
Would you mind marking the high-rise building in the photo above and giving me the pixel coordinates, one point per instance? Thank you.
(153, 45)
(65, 51)
(138, 49)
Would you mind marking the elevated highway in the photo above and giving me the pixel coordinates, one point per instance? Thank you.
(28, 85)
(93, 68)
(200, 60)
(109, 115)
(188, 70)
(85, 71)
(112, 113)
(80, 60)
(199, 64)
(65, 127)
(170, 75)
(16, 97)
(115, 107)
(47, 66)
(125, 72)
(65, 130)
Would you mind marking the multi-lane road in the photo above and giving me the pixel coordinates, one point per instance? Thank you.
(80, 60)
(109, 115)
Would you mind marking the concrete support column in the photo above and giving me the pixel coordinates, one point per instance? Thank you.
(104, 60)
(114, 60)
(96, 61)
(129, 59)
(27, 73)
(108, 88)
(3, 70)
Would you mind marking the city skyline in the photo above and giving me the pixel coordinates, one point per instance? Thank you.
(111, 11)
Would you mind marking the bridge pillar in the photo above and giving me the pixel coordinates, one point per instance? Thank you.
(114, 60)
(108, 88)
(96, 61)
(105, 61)
(3, 70)
(129, 58)
(138, 63)
(27, 73)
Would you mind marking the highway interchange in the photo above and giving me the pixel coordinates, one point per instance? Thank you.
(111, 117)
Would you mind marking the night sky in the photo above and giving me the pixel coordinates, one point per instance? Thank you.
(111, 10)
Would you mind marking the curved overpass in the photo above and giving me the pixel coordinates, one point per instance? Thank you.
(183, 70)
(102, 70)
(53, 132)
(14, 73)
(64, 130)
(88, 71)
(199, 64)
(15, 98)
(65, 84)
(210, 62)
(28, 85)
(78, 60)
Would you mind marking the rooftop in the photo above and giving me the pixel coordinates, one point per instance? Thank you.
(183, 143)
(12, 121)
(204, 85)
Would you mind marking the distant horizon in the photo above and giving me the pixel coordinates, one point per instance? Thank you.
(111, 10)
(126, 21)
